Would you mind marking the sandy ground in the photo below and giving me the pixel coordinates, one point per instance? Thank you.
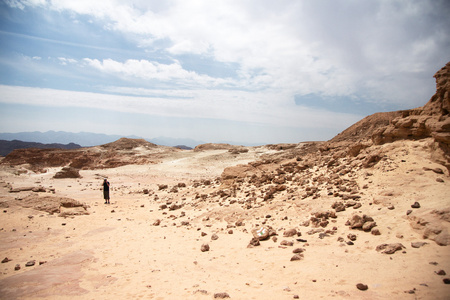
(116, 252)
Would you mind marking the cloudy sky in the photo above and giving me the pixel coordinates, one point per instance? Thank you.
(256, 71)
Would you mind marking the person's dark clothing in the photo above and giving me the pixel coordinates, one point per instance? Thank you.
(106, 191)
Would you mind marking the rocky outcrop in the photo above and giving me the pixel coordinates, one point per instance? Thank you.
(431, 120)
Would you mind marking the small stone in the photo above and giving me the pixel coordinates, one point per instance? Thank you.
(416, 205)
(408, 212)
(5, 260)
(351, 237)
(298, 250)
(157, 222)
(230, 231)
(417, 244)
(214, 237)
(369, 225)
(221, 295)
(350, 243)
(290, 232)
(390, 248)
(362, 287)
(253, 243)
(446, 280)
(287, 243)
(30, 263)
(296, 297)
(375, 231)
(441, 272)
(17, 267)
(203, 233)
(297, 256)
(439, 180)
(204, 248)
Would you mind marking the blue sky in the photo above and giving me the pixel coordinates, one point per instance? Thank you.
(240, 71)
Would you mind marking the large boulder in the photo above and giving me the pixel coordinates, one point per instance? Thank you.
(68, 172)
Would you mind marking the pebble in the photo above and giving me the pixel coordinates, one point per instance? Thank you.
(221, 295)
(297, 256)
(5, 260)
(416, 205)
(30, 263)
(441, 272)
(17, 267)
(362, 286)
(204, 248)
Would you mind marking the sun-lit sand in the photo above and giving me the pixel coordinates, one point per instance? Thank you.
(117, 251)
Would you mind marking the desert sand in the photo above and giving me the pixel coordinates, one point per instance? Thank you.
(117, 251)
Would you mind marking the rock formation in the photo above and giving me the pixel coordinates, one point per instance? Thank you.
(431, 120)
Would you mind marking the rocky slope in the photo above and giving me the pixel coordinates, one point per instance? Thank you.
(122, 152)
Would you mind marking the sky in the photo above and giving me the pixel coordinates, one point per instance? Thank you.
(241, 71)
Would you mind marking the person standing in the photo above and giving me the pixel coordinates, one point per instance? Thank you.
(106, 191)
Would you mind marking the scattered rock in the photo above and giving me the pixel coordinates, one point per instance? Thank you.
(362, 286)
(17, 267)
(390, 248)
(368, 226)
(221, 295)
(204, 248)
(298, 250)
(418, 244)
(287, 243)
(415, 205)
(375, 231)
(254, 242)
(157, 222)
(351, 237)
(298, 256)
(214, 237)
(446, 280)
(30, 263)
(5, 260)
(441, 272)
(290, 232)
(263, 233)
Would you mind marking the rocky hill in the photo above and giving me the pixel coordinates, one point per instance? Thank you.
(122, 152)
(429, 121)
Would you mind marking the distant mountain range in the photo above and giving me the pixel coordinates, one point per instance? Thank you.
(8, 146)
(88, 139)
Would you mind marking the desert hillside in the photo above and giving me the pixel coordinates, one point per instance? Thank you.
(365, 215)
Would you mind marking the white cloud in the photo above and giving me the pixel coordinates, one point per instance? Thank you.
(145, 69)
(374, 50)
(240, 106)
